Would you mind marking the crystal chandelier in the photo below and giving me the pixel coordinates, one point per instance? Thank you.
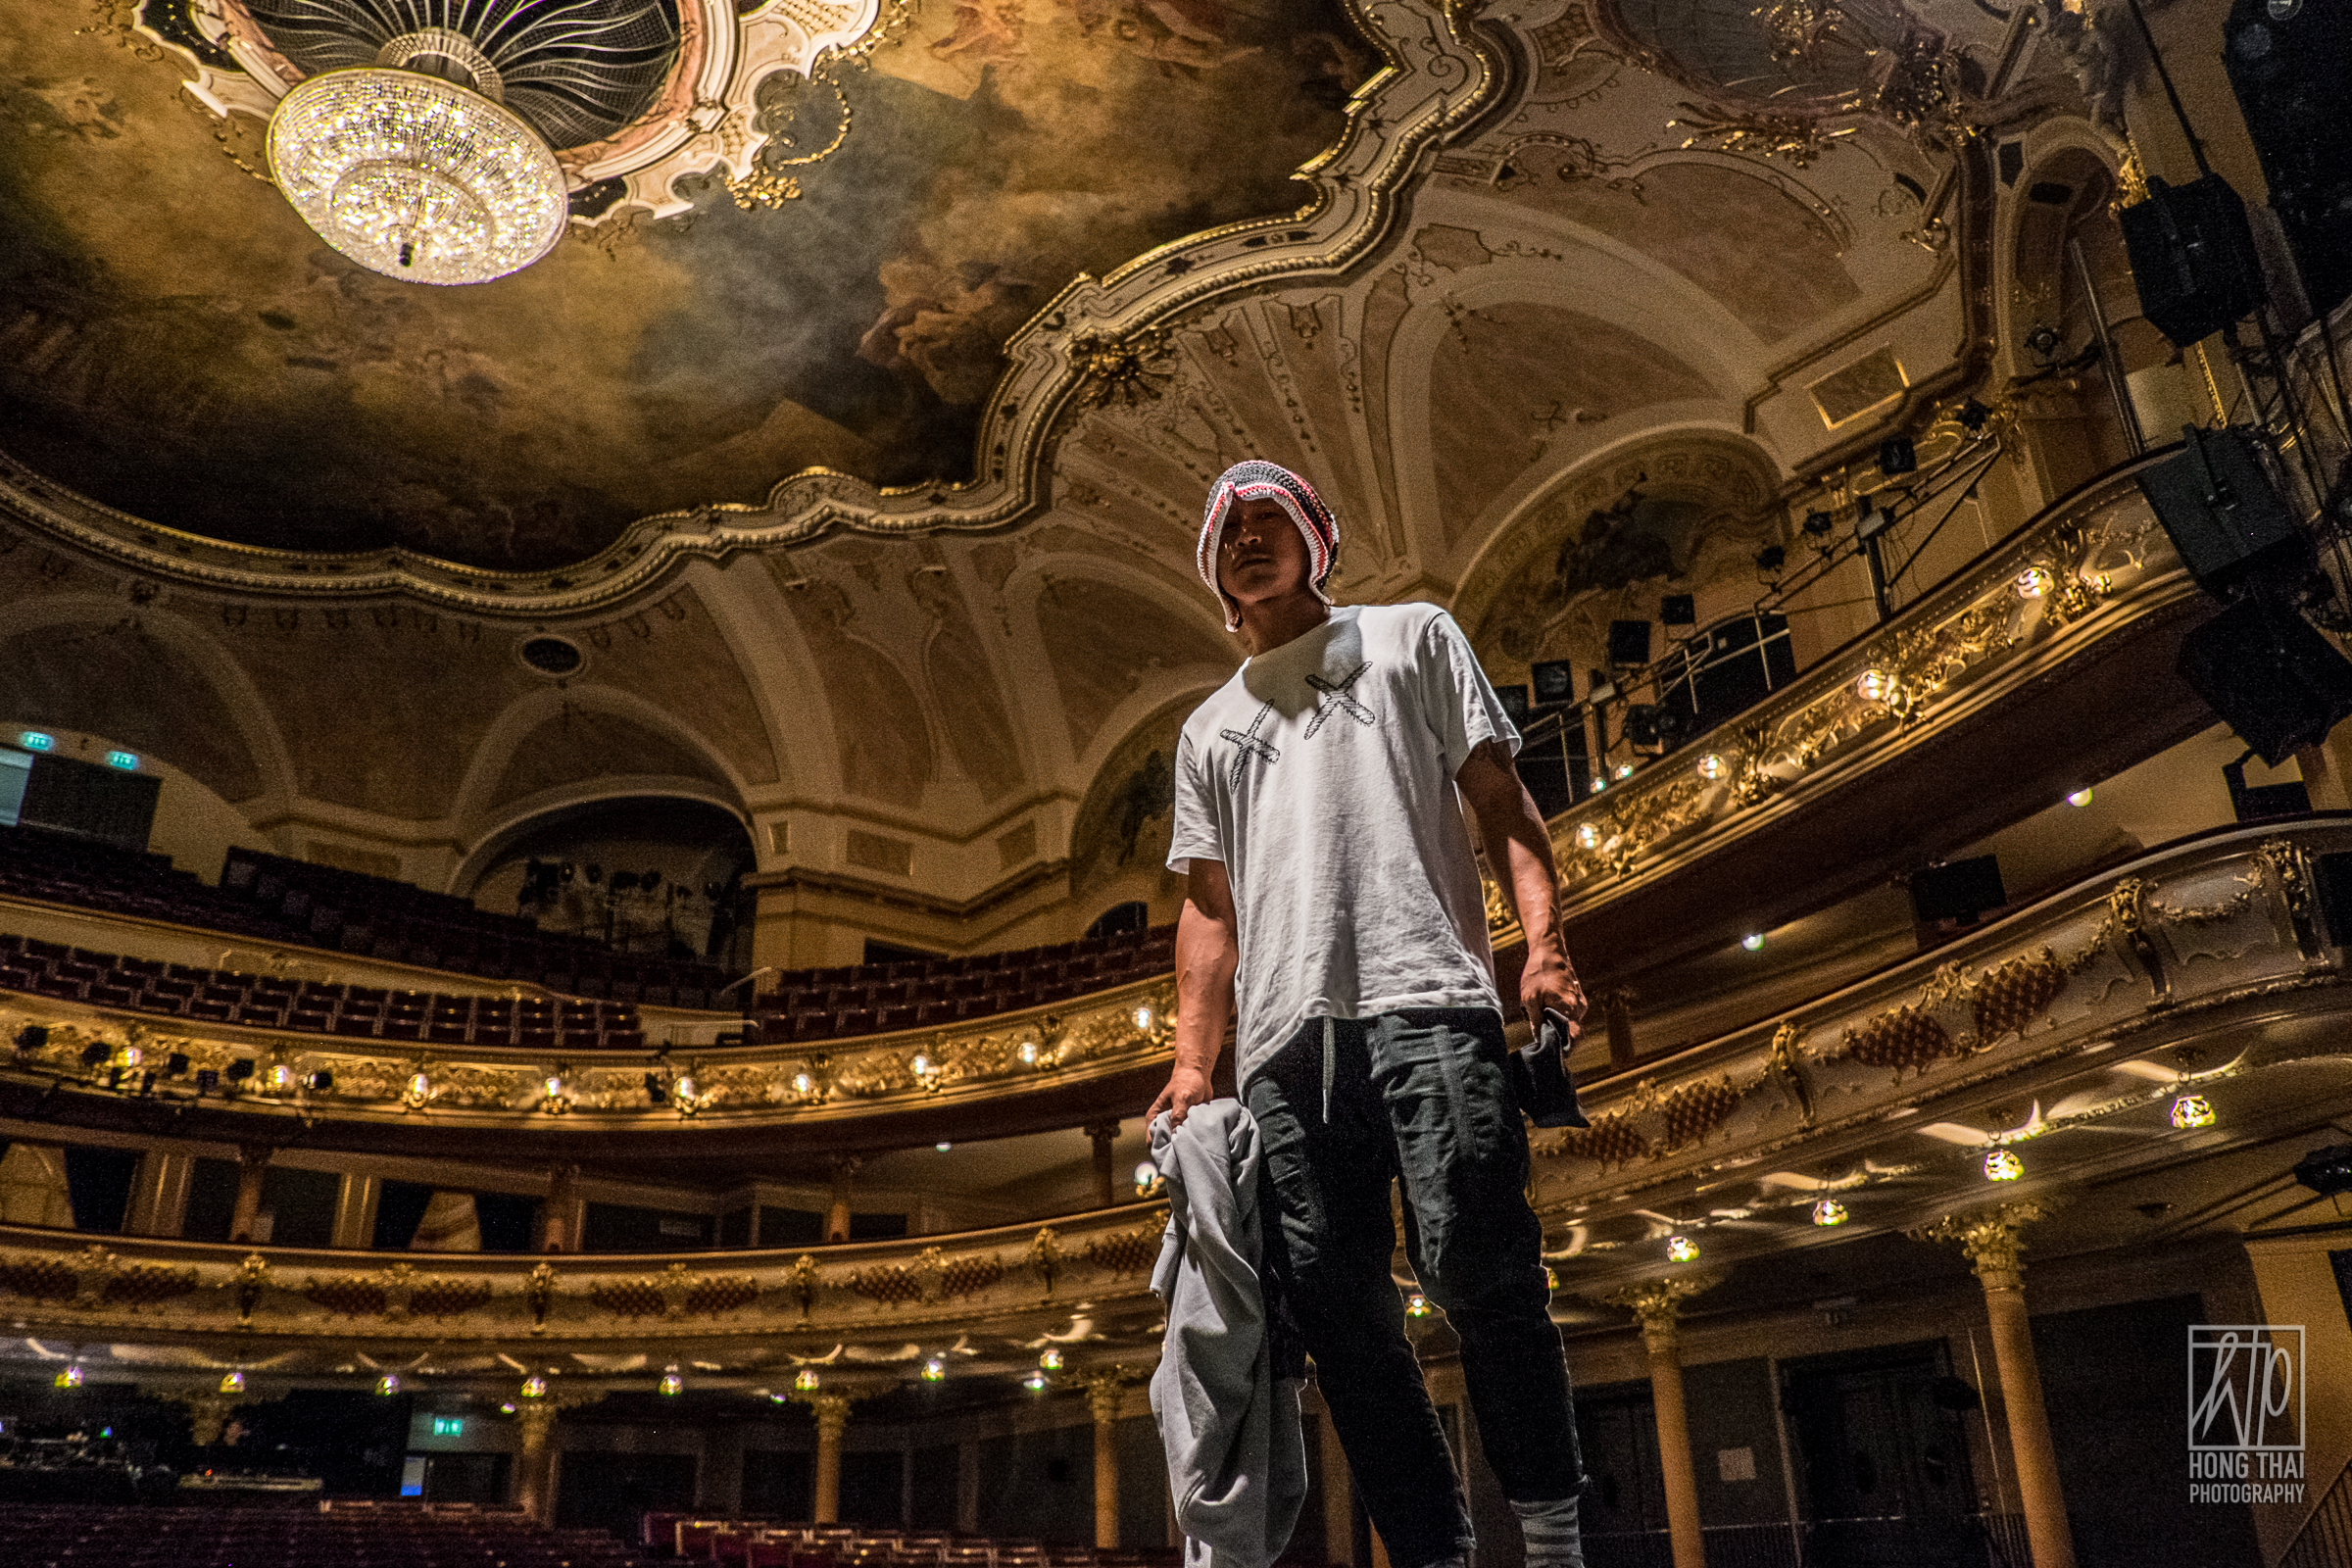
(415, 176)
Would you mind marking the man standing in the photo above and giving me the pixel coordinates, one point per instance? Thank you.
(1331, 893)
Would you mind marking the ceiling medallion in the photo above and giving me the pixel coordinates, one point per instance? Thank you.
(447, 141)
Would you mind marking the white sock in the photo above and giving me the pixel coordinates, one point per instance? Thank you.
(1553, 1540)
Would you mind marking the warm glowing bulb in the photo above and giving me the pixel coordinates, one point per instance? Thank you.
(935, 1369)
(1416, 1306)
(1143, 1017)
(70, 1378)
(683, 1090)
(1051, 1360)
(555, 1087)
(2003, 1167)
(534, 1387)
(1034, 1382)
(2033, 582)
(419, 1086)
(1551, 1278)
(1625, 770)
(671, 1383)
(281, 1076)
(2081, 797)
(1680, 1248)
(1026, 1050)
(131, 1056)
(1712, 768)
(1588, 837)
(1752, 940)
(943, 1147)
(232, 1383)
(921, 1064)
(1830, 1211)
(1145, 1173)
(801, 1083)
(805, 1378)
(2192, 1110)
(388, 1384)
(1874, 685)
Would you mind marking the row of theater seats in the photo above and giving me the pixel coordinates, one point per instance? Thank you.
(273, 1002)
(325, 906)
(766, 1543)
(806, 1004)
(268, 898)
(82, 1535)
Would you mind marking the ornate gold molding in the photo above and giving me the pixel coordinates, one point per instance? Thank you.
(1992, 1238)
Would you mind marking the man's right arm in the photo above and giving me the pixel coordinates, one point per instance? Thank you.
(1208, 953)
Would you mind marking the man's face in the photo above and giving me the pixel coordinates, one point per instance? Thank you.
(1262, 553)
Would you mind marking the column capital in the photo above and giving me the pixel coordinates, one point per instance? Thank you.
(832, 1411)
(1993, 1239)
(1657, 1304)
(1101, 1131)
(1106, 1392)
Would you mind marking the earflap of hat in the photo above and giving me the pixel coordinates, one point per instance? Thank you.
(1256, 480)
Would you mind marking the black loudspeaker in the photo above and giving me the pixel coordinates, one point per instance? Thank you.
(1679, 610)
(2271, 678)
(1628, 643)
(1959, 890)
(2289, 62)
(1514, 702)
(2224, 513)
(1554, 682)
(2192, 258)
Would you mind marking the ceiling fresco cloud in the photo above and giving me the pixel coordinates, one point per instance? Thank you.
(174, 342)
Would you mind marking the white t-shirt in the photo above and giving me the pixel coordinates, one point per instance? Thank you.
(1322, 776)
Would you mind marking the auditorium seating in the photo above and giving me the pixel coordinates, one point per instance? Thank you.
(379, 918)
(381, 1535)
(267, 898)
(307, 1007)
(811, 1005)
(770, 1543)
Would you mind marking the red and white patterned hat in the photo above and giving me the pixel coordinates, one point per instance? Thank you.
(1253, 480)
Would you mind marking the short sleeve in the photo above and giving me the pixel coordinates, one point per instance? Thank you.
(1195, 836)
(1457, 699)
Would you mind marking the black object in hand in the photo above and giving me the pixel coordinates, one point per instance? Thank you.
(1540, 1076)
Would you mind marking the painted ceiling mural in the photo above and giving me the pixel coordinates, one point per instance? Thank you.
(180, 346)
(1574, 354)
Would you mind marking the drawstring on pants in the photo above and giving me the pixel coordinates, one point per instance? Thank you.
(1331, 1058)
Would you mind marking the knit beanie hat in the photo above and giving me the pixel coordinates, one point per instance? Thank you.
(1260, 480)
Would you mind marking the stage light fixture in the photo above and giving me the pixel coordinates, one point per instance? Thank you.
(1035, 1381)
(176, 1063)
(804, 1380)
(2079, 798)
(2001, 1165)
(2192, 1110)
(534, 1387)
(67, 1378)
(2328, 1170)
(388, 1384)
(1830, 1211)
(1974, 416)
(1682, 1248)
(935, 1369)
(1753, 941)
(93, 1054)
(671, 1383)
(1819, 523)
(1772, 557)
(1896, 454)
(1416, 1306)
(1050, 1359)
(232, 1383)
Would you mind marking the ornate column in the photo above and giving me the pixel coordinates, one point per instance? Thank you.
(253, 1170)
(1617, 1013)
(832, 1420)
(1106, 1189)
(1105, 1394)
(158, 1193)
(837, 1216)
(1995, 1246)
(1656, 1304)
(355, 1198)
(560, 1218)
(536, 1450)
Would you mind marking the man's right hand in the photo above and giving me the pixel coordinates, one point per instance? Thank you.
(1187, 1087)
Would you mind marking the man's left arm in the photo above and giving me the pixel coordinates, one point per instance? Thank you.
(1519, 849)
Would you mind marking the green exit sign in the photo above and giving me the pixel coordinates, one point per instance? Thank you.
(449, 1426)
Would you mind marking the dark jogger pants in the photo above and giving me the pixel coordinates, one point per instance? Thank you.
(1423, 1095)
